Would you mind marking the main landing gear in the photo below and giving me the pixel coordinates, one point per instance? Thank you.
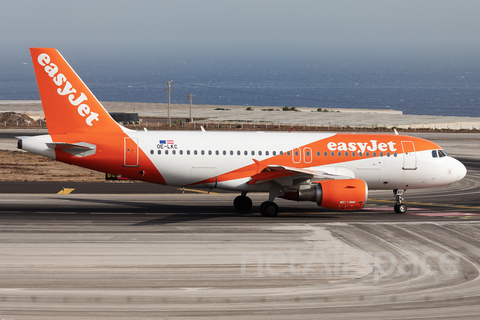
(267, 208)
(399, 206)
(242, 203)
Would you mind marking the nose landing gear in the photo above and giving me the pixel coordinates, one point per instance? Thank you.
(399, 206)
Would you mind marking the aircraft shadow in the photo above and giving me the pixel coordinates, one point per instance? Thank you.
(170, 213)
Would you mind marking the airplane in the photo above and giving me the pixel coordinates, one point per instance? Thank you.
(335, 170)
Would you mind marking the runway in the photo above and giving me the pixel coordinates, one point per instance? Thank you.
(191, 255)
(136, 250)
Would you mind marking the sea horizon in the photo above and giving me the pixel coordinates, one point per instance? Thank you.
(439, 85)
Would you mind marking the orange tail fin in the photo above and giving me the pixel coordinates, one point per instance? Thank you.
(68, 104)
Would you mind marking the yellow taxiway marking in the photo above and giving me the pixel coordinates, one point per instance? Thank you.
(469, 217)
(199, 191)
(66, 190)
(429, 204)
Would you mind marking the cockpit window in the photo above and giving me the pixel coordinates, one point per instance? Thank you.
(442, 153)
(434, 154)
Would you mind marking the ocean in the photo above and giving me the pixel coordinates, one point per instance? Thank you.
(443, 86)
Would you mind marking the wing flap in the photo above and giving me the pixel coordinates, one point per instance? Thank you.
(274, 172)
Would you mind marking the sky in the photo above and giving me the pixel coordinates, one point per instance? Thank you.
(258, 26)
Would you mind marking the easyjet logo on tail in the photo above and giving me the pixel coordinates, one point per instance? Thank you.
(66, 88)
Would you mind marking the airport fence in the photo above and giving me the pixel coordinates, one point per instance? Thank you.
(251, 126)
(254, 126)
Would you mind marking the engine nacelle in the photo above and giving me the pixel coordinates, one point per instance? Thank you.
(349, 194)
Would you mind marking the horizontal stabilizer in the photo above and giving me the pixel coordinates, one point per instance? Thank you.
(80, 149)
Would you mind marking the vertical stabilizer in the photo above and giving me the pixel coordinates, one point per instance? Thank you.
(68, 104)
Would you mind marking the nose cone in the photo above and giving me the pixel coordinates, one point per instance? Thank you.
(459, 171)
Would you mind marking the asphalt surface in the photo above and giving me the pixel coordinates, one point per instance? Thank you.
(137, 250)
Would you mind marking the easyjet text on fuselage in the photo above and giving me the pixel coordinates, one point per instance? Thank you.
(371, 146)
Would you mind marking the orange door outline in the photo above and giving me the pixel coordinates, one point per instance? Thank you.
(297, 155)
(307, 155)
(131, 152)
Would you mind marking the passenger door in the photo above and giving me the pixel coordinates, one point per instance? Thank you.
(409, 156)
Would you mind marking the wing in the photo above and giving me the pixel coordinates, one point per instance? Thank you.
(281, 173)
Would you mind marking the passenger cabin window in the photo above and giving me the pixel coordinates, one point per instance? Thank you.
(188, 152)
(159, 151)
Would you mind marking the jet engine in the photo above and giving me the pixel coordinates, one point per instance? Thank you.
(348, 194)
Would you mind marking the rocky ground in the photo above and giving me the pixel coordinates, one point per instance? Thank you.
(23, 166)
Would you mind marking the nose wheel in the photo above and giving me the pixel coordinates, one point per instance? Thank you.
(399, 207)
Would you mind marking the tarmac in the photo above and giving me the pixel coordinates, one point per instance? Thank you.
(305, 116)
(187, 255)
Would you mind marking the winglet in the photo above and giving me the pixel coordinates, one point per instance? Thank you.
(259, 168)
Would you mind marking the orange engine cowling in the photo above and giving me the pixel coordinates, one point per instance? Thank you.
(349, 194)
